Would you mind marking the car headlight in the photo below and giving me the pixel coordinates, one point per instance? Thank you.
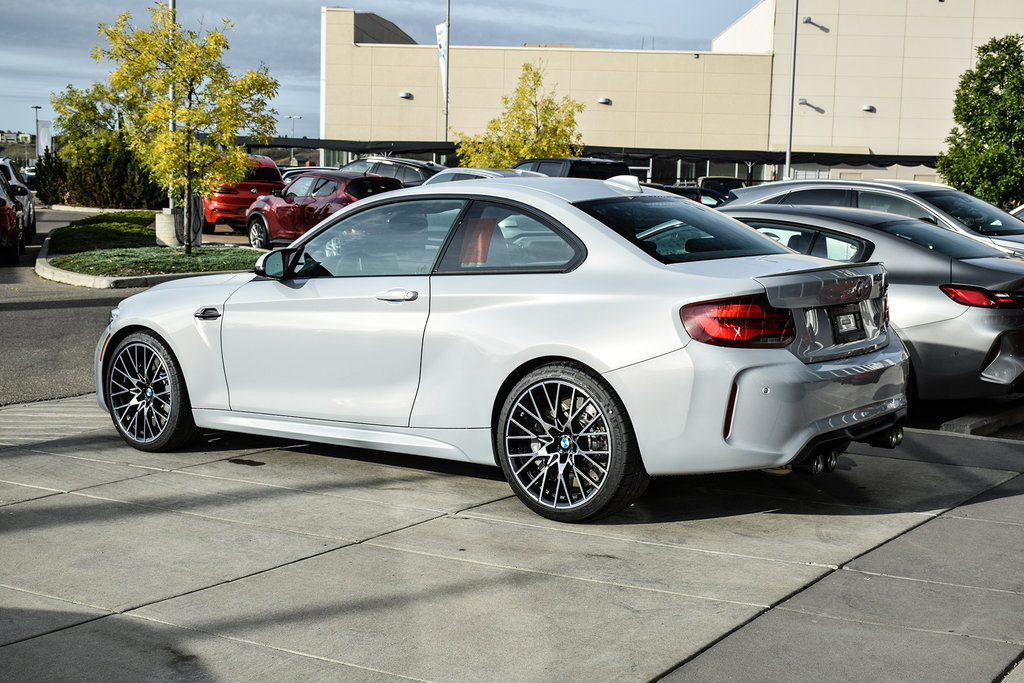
(113, 315)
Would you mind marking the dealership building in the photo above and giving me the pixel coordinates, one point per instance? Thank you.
(871, 93)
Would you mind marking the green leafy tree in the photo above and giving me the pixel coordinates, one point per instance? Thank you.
(534, 123)
(167, 74)
(985, 156)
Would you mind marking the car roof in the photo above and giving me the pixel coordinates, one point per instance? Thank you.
(862, 217)
(571, 190)
(336, 174)
(781, 186)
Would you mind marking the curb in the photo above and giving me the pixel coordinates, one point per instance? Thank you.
(47, 272)
(988, 421)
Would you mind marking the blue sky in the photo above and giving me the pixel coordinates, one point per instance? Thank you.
(45, 47)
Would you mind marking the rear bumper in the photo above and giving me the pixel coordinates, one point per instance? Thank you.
(752, 409)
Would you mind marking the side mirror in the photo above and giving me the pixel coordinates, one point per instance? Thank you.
(18, 190)
(276, 264)
(277, 192)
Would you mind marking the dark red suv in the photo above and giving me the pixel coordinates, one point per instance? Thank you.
(12, 236)
(229, 203)
(308, 199)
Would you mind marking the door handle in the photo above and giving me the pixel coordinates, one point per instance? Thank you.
(207, 313)
(398, 295)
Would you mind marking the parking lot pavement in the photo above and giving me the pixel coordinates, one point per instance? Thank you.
(248, 558)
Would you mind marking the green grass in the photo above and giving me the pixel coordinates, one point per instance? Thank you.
(124, 244)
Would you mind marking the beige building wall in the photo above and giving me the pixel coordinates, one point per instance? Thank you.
(903, 58)
(658, 99)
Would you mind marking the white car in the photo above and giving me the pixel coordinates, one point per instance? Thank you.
(466, 173)
(584, 335)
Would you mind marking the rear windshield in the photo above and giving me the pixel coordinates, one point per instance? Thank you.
(974, 213)
(675, 230)
(582, 169)
(936, 239)
(263, 174)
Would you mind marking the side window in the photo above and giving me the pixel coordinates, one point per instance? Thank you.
(887, 203)
(551, 168)
(361, 166)
(499, 237)
(325, 187)
(820, 197)
(402, 238)
(836, 248)
(300, 186)
(796, 238)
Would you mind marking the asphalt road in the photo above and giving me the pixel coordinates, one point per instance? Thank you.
(48, 330)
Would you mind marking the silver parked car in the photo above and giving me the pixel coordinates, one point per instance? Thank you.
(581, 334)
(957, 304)
(468, 173)
(938, 204)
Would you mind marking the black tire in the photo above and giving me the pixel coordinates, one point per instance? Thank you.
(259, 234)
(11, 255)
(566, 445)
(209, 228)
(147, 396)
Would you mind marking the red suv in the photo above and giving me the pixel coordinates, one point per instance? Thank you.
(12, 237)
(309, 198)
(228, 203)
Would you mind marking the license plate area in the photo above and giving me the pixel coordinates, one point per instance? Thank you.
(847, 323)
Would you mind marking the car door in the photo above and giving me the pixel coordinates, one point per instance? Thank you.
(340, 337)
(291, 205)
(322, 201)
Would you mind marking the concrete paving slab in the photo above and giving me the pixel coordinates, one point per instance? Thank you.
(106, 446)
(15, 493)
(372, 476)
(1016, 675)
(434, 618)
(914, 604)
(326, 512)
(61, 473)
(1004, 503)
(116, 556)
(957, 551)
(568, 552)
(38, 422)
(788, 647)
(861, 482)
(952, 449)
(123, 648)
(25, 615)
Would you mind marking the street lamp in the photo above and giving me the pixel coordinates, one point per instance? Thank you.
(291, 153)
(37, 108)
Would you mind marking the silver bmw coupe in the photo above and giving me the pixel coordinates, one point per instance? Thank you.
(583, 335)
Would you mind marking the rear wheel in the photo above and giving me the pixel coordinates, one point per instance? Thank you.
(567, 447)
(209, 228)
(147, 396)
(259, 235)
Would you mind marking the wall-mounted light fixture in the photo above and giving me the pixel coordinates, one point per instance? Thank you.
(868, 108)
(803, 101)
(405, 95)
(823, 29)
(604, 100)
(696, 55)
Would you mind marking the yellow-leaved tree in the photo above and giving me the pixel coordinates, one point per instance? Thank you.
(534, 124)
(166, 74)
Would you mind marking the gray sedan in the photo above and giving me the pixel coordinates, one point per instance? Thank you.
(957, 304)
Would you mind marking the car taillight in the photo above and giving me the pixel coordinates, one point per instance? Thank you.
(977, 296)
(747, 321)
(225, 190)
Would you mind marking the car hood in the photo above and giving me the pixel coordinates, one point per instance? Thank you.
(212, 289)
(992, 273)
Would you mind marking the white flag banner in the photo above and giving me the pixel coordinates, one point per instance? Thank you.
(44, 137)
(442, 56)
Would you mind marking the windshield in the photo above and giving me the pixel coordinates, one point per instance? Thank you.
(977, 215)
(942, 241)
(674, 230)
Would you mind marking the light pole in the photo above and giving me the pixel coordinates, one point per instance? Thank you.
(37, 108)
(792, 93)
(291, 153)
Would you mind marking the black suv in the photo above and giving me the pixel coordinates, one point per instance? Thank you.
(575, 167)
(409, 172)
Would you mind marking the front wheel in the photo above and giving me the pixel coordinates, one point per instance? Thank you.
(259, 234)
(567, 447)
(147, 396)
